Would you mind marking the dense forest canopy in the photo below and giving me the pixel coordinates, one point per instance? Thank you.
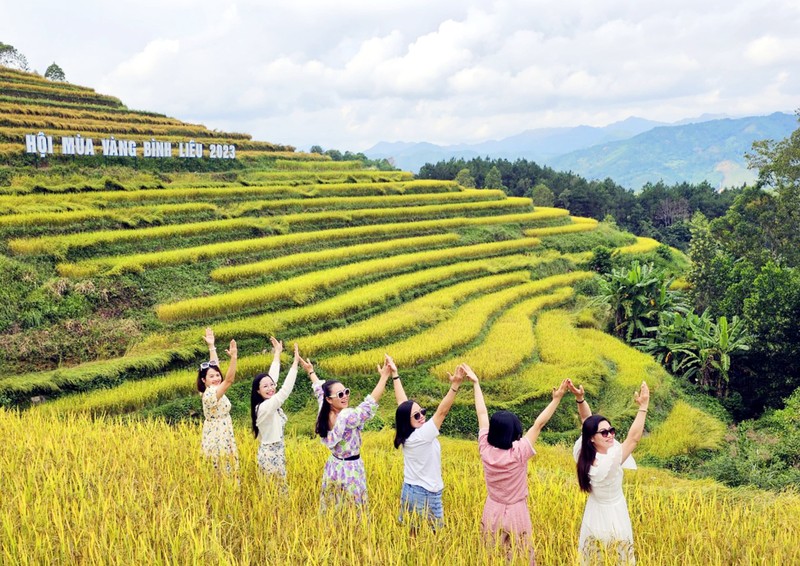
(658, 211)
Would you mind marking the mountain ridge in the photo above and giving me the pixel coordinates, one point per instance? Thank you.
(632, 152)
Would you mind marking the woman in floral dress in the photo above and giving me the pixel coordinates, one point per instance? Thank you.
(344, 479)
(218, 442)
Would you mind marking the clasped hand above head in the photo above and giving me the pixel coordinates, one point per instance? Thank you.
(468, 372)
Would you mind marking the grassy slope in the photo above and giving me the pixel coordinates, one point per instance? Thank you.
(100, 217)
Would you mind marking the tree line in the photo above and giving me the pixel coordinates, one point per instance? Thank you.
(13, 58)
(658, 211)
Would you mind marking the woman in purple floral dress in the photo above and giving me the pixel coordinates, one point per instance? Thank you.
(344, 479)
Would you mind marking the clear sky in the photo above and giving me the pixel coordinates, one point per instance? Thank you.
(346, 74)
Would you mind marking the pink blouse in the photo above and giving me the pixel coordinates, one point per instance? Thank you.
(505, 471)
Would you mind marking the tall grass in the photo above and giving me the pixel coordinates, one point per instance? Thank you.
(464, 326)
(281, 198)
(373, 294)
(579, 224)
(411, 316)
(305, 288)
(510, 340)
(137, 262)
(85, 491)
(338, 255)
(685, 431)
(59, 245)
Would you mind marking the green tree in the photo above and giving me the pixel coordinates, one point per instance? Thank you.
(55, 73)
(698, 348)
(543, 196)
(493, 179)
(707, 350)
(522, 187)
(602, 259)
(10, 57)
(636, 296)
(465, 179)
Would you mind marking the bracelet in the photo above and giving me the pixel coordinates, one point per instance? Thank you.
(312, 372)
(581, 401)
(454, 390)
(395, 377)
(642, 410)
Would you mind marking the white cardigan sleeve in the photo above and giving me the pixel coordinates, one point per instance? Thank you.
(274, 403)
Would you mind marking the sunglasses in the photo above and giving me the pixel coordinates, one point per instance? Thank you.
(606, 431)
(206, 365)
(419, 414)
(341, 394)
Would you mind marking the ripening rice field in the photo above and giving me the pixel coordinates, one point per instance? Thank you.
(347, 260)
(114, 492)
(113, 272)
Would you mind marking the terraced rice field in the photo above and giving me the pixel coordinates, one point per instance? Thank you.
(348, 261)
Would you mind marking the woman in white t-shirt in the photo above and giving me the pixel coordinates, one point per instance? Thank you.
(421, 496)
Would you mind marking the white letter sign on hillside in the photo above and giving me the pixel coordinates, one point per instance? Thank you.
(42, 145)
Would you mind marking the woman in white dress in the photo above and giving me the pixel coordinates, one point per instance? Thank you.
(606, 528)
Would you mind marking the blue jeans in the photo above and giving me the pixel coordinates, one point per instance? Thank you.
(418, 502)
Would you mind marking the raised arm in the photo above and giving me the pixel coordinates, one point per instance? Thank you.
(445, 404)
(384, 371)
(212, 349)
(277, 400)
(480, 404)
(558, 393)
(230, 375)
(584, 412)
(642, 398)
(399, 392)
(309, 367)
(275, 367)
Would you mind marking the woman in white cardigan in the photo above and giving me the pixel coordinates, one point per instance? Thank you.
(266, 413)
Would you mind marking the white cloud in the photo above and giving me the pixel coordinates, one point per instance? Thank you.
(352, 73)
(143, 64)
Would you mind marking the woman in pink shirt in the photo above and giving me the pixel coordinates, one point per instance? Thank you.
(505, 453)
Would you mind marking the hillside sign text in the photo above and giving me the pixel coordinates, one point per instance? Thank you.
(42, 145)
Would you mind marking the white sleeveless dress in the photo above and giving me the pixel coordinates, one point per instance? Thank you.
(606, 522)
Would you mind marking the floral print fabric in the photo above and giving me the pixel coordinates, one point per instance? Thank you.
(345, 480)
(218, 442)
(272, 459)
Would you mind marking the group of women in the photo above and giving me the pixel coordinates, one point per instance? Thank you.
(504, 450)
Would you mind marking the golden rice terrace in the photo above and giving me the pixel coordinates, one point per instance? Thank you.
(122, 268)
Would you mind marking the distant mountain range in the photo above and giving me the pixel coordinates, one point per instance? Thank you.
(632, 152)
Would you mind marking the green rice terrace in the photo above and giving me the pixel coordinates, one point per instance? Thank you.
(113, 268)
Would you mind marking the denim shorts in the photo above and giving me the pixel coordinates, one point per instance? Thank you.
(421, 503)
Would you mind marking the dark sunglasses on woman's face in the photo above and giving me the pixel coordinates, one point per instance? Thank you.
(606, 431)
(419, 414)
(341, 394)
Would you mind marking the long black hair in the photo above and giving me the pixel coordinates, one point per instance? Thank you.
(201, 375)
(256, 399)
(504, 429)
(402, 422)
(588, 450)
(322, 427)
